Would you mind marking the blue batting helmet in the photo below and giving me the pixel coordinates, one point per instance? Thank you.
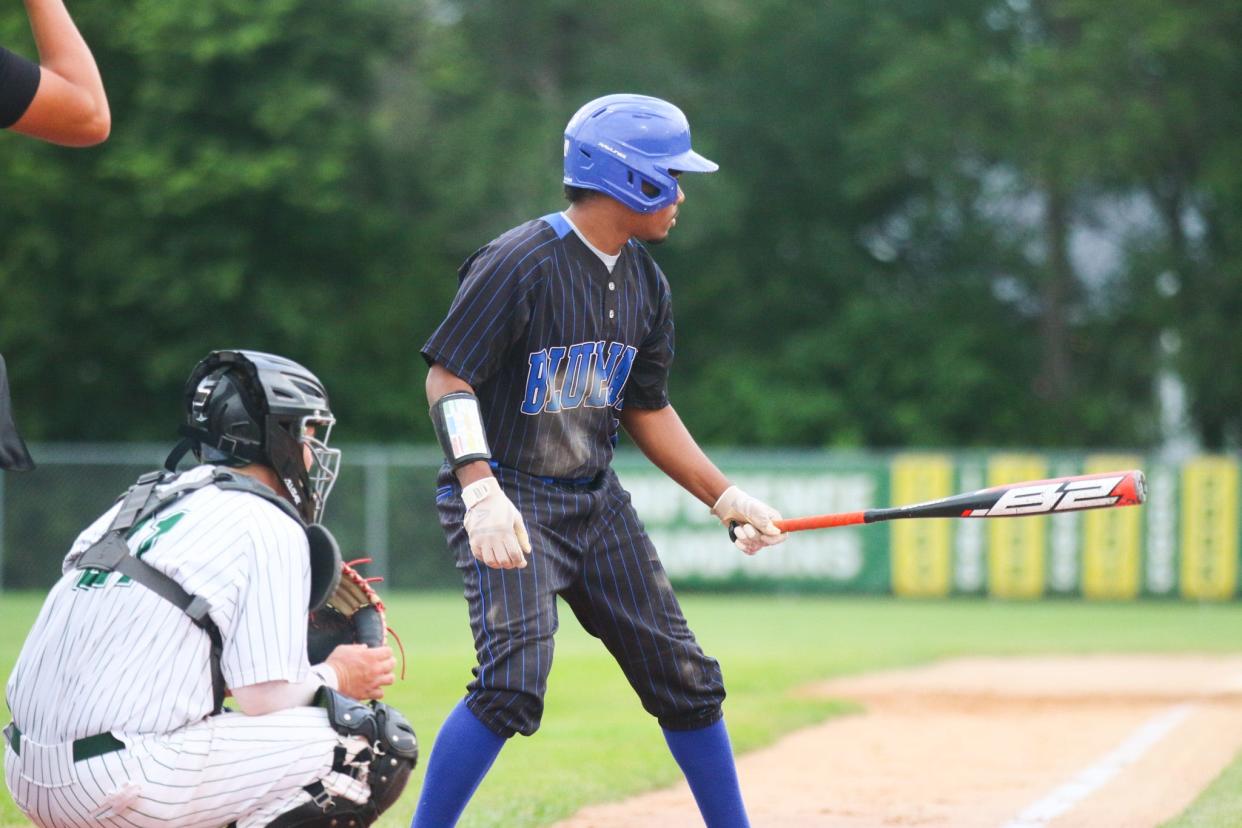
(627, 146)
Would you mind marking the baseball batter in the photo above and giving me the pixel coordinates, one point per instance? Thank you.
(116, 696)
(560, 334)
(61, 99)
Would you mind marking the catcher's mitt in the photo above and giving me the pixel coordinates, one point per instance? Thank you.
(353, 614)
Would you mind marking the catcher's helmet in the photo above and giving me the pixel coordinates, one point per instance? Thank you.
(246, 407)
(619, 143)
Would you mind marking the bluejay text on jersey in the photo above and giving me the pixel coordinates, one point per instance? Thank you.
(591, 374)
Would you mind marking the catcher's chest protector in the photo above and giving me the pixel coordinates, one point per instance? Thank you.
(111, 552)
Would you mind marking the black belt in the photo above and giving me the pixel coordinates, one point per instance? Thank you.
(85, 748)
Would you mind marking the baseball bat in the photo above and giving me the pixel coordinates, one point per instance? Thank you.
(1033, 497)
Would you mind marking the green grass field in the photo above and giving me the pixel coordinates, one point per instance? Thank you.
(597, 744)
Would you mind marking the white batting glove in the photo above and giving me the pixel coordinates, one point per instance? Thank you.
(494, 525)
(751, 520)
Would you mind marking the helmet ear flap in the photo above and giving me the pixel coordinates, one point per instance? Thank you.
(284, 450)
(224, 405)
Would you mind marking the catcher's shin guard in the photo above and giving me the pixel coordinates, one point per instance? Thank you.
(393, 755)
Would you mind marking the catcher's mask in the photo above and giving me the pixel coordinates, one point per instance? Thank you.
(247, 407)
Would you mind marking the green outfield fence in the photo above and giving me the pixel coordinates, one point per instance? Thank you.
(1184, 543)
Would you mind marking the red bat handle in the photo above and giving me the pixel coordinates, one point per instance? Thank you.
(820, 521)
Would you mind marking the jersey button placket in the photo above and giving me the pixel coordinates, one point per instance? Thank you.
(610, 308)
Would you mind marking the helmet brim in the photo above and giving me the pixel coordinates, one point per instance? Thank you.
(689, 161)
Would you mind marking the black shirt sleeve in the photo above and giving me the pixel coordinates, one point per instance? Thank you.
(488, 314)
(19, 81)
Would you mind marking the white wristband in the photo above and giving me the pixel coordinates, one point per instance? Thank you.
(326, 673)
(478, 490)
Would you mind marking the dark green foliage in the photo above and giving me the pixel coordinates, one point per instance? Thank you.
(936, 223)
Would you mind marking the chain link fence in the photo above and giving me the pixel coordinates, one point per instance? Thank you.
(383, 507)
(1185, 542)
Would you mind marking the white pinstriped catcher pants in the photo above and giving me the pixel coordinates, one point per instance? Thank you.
(231, 767)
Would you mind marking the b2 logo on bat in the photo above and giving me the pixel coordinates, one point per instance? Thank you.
(1065, 496)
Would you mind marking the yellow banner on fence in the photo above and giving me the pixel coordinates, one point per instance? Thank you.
(921, 549)
(1210, 528)
(1016, 546)
(1112, 540)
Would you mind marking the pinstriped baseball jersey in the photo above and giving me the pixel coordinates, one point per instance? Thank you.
(554, 345)
(106, 654)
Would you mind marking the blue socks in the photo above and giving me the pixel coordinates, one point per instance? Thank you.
(465, 750)
(706, 758)
(462, 755)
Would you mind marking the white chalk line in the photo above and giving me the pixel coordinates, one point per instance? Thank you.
(1064, 798)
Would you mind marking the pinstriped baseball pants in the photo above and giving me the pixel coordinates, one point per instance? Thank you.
(588, 547)
(228, 767)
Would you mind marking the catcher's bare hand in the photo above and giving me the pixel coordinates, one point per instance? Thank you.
(363, 672)
(754, 529)
(494, 525)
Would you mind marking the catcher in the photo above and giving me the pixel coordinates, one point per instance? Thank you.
(196, 585)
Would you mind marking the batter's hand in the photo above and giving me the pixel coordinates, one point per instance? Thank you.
(750, 518)
(494, 525)
(363, 672)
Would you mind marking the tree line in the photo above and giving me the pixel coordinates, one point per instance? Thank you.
(937, 222)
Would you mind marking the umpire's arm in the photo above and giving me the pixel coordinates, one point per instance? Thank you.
(69, 106)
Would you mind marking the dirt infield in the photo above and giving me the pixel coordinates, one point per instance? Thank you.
(1003, 742)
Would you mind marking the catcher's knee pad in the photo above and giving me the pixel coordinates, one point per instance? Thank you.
(385, 765)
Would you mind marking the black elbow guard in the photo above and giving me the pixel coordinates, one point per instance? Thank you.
(459, 428)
